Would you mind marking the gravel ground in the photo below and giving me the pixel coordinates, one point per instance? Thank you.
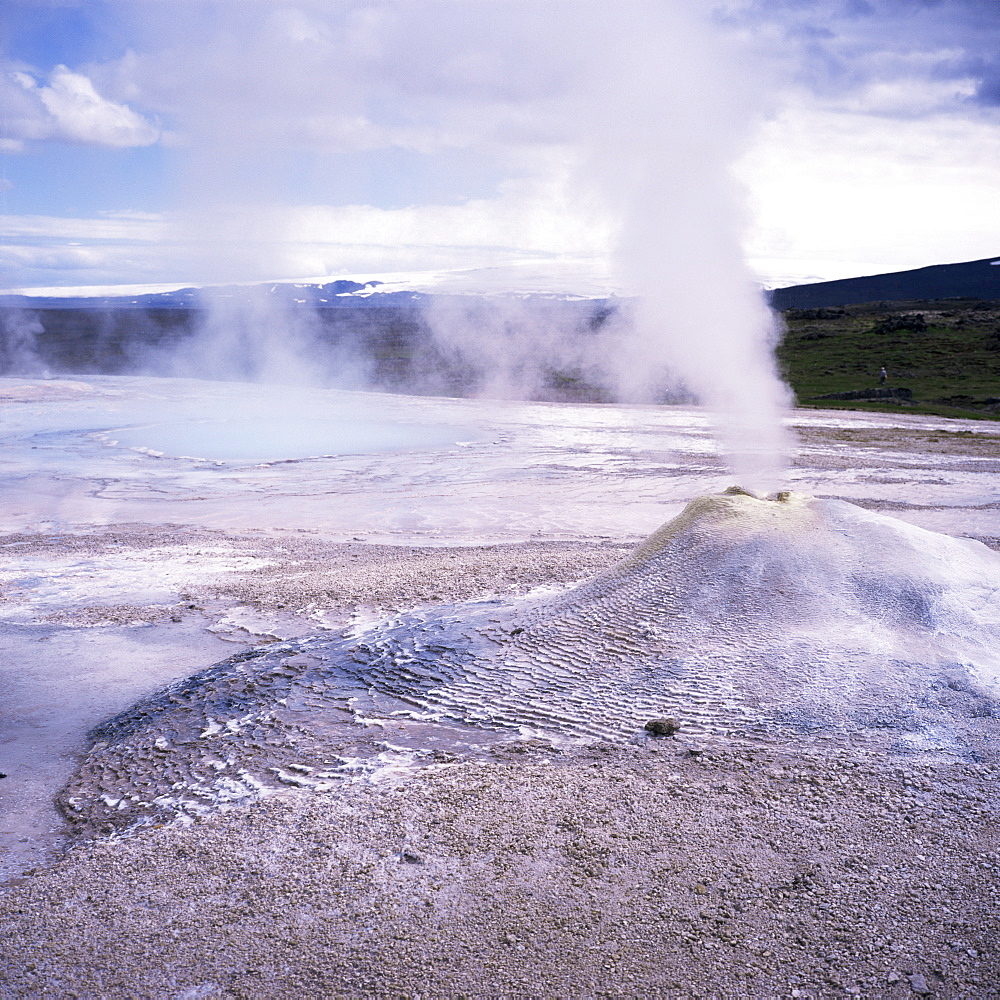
(607, 871)
(659, 868)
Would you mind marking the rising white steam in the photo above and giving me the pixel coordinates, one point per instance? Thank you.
(670, 114)
(246, 336)
(629, 114)
(19, 330)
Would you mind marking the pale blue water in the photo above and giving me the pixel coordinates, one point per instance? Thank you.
(252, 439)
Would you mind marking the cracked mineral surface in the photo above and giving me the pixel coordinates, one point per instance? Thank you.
(347, 822)
(746, 618)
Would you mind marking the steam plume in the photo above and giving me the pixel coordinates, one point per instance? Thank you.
(18, 344)
(631, 114)
(670, 118)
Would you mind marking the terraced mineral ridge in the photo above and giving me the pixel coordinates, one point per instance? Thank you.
(790, 618)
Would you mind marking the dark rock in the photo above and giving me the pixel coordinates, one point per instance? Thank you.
(883, 393)
(915, 323)
(814, 313)
(662, 727)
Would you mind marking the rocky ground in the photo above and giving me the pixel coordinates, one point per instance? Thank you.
(644, 870)
(663, 868)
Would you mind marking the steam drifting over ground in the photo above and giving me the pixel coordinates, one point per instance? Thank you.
(150, 521)
(635, 112)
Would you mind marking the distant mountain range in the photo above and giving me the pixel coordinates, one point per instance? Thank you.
(975, 279)
(331, 295)
(340, 294)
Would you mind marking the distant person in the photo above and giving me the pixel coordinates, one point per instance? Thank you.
(882, 376)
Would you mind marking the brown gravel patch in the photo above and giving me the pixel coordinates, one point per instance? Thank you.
(630, 871)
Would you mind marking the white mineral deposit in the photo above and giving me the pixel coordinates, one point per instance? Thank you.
(369, 677)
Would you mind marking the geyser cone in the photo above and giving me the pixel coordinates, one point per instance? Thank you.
(733, 564)
(742, 618)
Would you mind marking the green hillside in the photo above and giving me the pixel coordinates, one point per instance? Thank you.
(945, 352)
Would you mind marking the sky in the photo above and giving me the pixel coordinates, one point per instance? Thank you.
(485, 143)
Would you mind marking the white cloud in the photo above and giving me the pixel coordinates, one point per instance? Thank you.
(543, 219)
(528, 216)
(49, 250)
(905, 57)
(843, 186)
(910, 97)
(138, 227)
(69, 109)
(883, 155)
(545, 223)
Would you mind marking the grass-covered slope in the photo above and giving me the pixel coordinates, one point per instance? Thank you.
(945, 352)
